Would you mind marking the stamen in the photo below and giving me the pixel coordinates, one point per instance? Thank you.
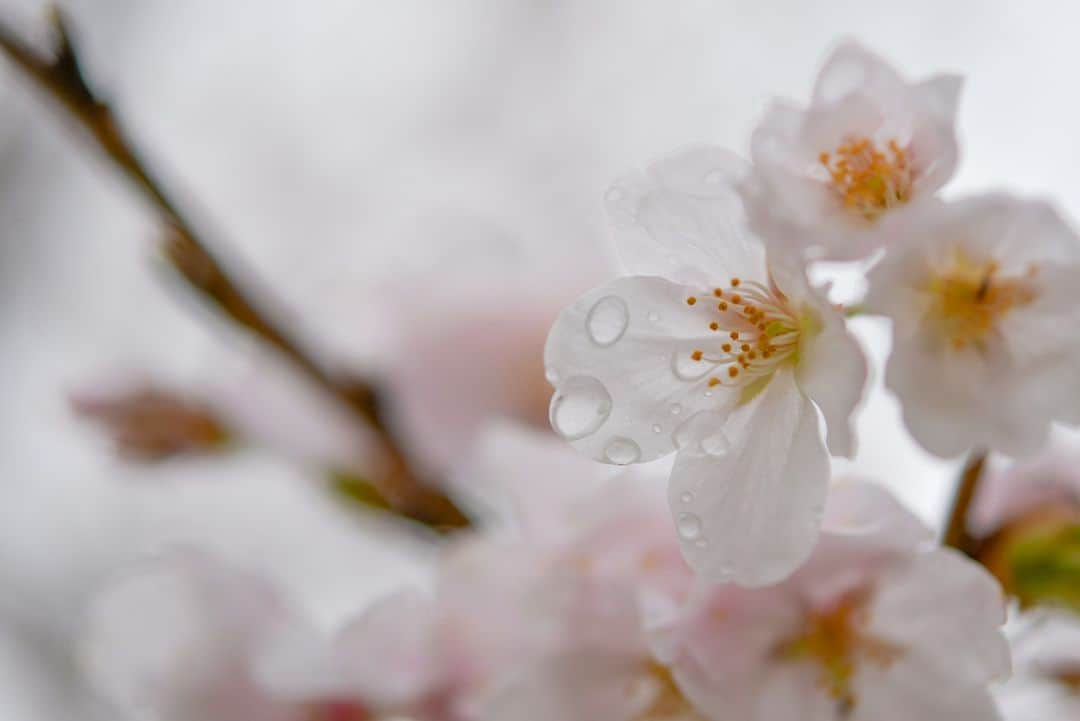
(869, 180)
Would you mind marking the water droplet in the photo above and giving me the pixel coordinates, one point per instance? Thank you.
(714, 177)
(708, 394)
(687, 497)
(580, 407)
(701, 542)
(688, 525)
(622, 451)
(552, 375)
(676, 409)
(614, 194)
(657, 428)
(607, 320)
(654, 317)
(716, 444)
(686, 368)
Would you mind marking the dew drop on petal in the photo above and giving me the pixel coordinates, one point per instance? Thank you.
(701, 542)
(552, 375)
(714, 177)
(614, 195)
(687, 497)
(708, 394)
(676, 409)
(716, 444)
(686, 368)
(657, 428)
(607, 320)
(622, 451)
(688, 525)
(654, 317)
(580, 406)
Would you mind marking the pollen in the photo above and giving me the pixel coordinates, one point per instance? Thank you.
(970, 298)
(869, 179)
(762, 333)
(836, 641)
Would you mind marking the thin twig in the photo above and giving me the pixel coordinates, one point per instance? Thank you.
(956, 531)
(62, 78)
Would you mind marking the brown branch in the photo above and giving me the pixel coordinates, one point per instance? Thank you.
(956, 530)
(62, 78)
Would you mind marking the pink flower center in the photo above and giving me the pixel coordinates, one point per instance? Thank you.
(757, 332)
(869, 180)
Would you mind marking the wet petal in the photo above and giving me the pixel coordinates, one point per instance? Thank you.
(620, 359)
(682, 219)
(751, 515)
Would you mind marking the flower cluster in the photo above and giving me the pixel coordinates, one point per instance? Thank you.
(718, 348)
(579, 614)
(761, 588)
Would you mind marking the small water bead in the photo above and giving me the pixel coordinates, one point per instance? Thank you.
(688, 525)
(716, 444)
(607, 320)
(615, 194)
(622, 451)
(687, 497)
(552, 375)
(581, 405)
(654, 317)
(714, 177)
(686, 368)
(701, 542)
(657, 428)
(676, 409)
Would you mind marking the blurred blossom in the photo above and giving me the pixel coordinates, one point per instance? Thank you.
(876, 626)
(868, 144)
(716, 352)
(1049, 481)
(982, 294)
(176, 639)
(1046, 682)
(465, 348)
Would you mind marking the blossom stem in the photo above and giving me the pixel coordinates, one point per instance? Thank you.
(956, 530)
(61, 78)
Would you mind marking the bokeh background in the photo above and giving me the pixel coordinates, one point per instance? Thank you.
(346, 148)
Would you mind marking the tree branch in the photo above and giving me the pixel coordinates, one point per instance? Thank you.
(62, 78)
(956, 530)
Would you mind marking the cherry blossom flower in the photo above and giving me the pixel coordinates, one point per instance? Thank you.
(711, 351)
(178, 637)
(868, 144)
(984, 302)
(876, 625)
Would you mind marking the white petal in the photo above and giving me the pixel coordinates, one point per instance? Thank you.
(833, 372)
(935, 137)
(620, 360)
(947, 610)
(751, 515)
(682, 219)
(910, 689)
(851, 68)
(870, 516)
